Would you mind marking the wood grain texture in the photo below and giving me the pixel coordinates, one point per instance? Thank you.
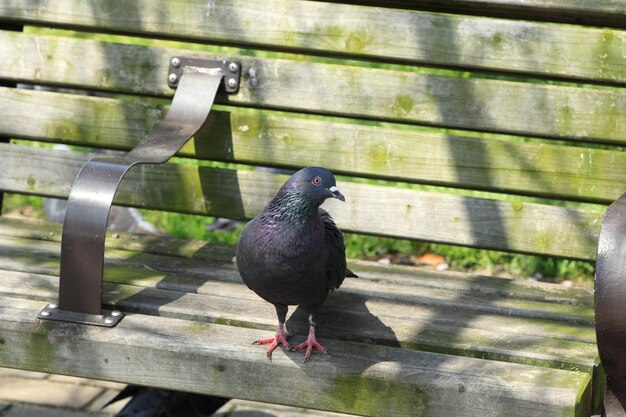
(242, 408)
(591, 114)
(119, 243)
(446, 40)
(347, 316)
(604, 13)
(388, 211)
(365, 379)
(204, 301)
(393, 332)
(388, 152)
(548, 328)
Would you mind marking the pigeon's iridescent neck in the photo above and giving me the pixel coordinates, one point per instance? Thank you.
(291, 207)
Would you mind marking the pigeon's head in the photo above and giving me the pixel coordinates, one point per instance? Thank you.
(315, 184)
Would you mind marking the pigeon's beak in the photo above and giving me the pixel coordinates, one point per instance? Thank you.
(336, 193)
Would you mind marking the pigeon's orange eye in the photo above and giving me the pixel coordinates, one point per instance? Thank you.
(316, 181)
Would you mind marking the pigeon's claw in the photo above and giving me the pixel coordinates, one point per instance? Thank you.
(310, 343)
(279, 339)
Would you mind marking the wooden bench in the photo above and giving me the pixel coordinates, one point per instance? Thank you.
(473, 128)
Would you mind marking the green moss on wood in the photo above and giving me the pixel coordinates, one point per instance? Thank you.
(238, 323)
(358, 41)
(599, 387)
(403, 105)
(375, 397)
(195, 327)
(31, 183)
(40, 349)
(496, 40)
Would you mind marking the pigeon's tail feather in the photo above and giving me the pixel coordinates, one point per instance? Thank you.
(350, 274)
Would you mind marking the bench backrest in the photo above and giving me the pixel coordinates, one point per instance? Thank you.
(473, 130)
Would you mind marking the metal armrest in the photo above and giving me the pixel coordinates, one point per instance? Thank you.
(610, 305)
(91, 196)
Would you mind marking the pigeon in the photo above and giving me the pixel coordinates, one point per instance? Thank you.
(292, 253)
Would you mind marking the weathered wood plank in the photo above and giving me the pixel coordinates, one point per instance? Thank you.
(592, 114)
(599, 13)
(136, 247)
(393, 306)
(516, 300)
(242, 408)
(120, 244)
(447, 40)
(347, 315)
(33, 229)
(431, 311)
(389, 211)
(387, 152)
(365, 379)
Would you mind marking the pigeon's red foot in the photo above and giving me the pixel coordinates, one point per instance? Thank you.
(310, 343)
(279, 339)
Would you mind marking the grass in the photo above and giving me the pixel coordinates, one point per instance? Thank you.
(365, 247)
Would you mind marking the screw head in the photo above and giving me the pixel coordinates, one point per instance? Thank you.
(52, 306)
(45, 313)
(232, 83)
(233, 67)
(109, 320)
(173, 78)
(175, 62)
(116, 313)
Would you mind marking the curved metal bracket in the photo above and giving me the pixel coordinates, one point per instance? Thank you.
(91, 196)
(610, 300)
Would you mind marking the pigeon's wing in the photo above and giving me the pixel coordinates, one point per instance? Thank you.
(336, 269)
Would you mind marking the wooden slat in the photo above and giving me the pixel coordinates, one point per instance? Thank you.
(591, 114)
(374, 308)
(390, 211)
(478, 323)
(349, 315)
(241, 408)
(602, 13)
(203, 252)
(448, 40)
(387, 152)
(220, 360)
(487, 298)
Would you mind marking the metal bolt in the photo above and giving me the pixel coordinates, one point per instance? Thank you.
(232, 83)
(52, 306)
(109, 320)
(233, 67)
(175, 62)
(45, 313)
(116, 313)
(173, 78)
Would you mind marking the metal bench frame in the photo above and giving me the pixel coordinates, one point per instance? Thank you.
(84, 228)
(610, 293)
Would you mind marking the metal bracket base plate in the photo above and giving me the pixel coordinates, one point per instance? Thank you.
(229, 69)
(108, 318)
